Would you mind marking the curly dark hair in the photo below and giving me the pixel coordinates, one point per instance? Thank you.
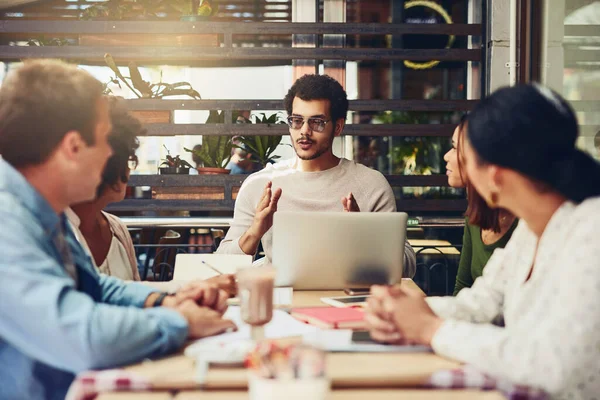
(124, 142)
(319, 87)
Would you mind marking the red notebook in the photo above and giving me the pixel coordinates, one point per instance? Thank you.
(331, 317)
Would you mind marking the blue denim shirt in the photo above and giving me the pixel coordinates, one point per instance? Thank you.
(52, 327)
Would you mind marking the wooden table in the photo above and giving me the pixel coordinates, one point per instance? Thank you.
(441, 247)
(356, 394)
(353, 375)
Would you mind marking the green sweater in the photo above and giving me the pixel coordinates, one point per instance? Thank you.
(475, 254)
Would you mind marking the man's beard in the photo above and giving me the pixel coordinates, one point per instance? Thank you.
(320, 151)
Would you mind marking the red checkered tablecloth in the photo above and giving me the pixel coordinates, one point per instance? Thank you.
(88, 385)
(469, 377)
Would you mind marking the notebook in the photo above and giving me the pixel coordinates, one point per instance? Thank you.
(331, 317)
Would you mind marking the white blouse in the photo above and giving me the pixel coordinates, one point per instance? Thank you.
(551, 337)
(116, 262)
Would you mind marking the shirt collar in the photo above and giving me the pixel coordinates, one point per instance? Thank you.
(72, 217)
(15, 184)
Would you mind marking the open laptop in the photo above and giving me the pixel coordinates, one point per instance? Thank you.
(336, 250)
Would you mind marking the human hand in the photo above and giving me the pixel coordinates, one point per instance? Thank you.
(408, 311)
(203, 321)
(379, 321)
(203, 293)
(225, 282)
(263, 217)
(349, 203)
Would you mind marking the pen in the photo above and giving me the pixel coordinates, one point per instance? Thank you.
(211, 267)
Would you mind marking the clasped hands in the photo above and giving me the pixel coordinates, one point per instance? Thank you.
(202, 304)
(398, 315)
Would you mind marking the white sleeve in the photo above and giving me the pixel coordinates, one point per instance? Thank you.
(243, 215)
(554, 343)
(480, 303)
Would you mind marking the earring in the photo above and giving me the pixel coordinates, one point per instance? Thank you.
(493, 199)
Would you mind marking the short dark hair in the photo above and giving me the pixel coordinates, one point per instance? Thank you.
(124, 142)
(478, 212)
(319, 87)
(42, 101)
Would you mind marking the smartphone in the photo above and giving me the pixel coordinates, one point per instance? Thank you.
(357, 291)
(362, 337)
(345, 301)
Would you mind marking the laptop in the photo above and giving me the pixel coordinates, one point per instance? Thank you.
(336, 250)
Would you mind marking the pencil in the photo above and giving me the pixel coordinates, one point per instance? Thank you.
(211, 267)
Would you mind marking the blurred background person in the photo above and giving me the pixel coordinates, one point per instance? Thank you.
(486, 228)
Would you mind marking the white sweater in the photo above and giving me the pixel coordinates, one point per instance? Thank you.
(552, 334)
(312, 191)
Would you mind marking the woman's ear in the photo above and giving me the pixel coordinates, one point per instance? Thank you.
(496, 177)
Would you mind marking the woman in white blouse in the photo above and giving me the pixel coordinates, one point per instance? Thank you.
(520, 155)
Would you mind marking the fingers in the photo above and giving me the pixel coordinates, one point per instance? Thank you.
(275, 198)
(266, 196)
(229, 285)
(209, 297)
(352, 204)
(380, 291)
(221, 304)
(345, 204)
(384, 337)
(217, 326)
(374, 322)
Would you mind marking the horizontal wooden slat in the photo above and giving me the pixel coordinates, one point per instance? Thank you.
(585, 105)
(186, 180)
(431, 205)
(355, 105)
(589, 130)
(582, 30)
(582, 55)
(189, 54)
(131, 205)
(237, 180)
(265, 28)
(581, 66)
(175, 205)
(282, 129)
(417, 180)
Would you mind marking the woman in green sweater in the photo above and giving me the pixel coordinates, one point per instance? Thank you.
(486, 229)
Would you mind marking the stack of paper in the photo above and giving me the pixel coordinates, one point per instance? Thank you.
(282, 325)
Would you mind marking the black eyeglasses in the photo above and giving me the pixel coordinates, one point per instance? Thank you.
(132, 162)
(314, 123)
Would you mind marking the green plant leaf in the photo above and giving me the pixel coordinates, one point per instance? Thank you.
(136, 79)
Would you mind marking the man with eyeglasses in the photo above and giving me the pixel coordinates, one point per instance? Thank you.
(314, 180)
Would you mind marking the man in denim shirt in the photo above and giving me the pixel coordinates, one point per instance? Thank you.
(58, 316)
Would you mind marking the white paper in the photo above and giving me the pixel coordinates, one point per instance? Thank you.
(189, 266)
(282, 325)
(282, 296)
(340, 340)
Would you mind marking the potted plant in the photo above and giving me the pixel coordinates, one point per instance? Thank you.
(215, 151)
(261, 148)
(174, 165)
(215, 154)
(146, 90)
